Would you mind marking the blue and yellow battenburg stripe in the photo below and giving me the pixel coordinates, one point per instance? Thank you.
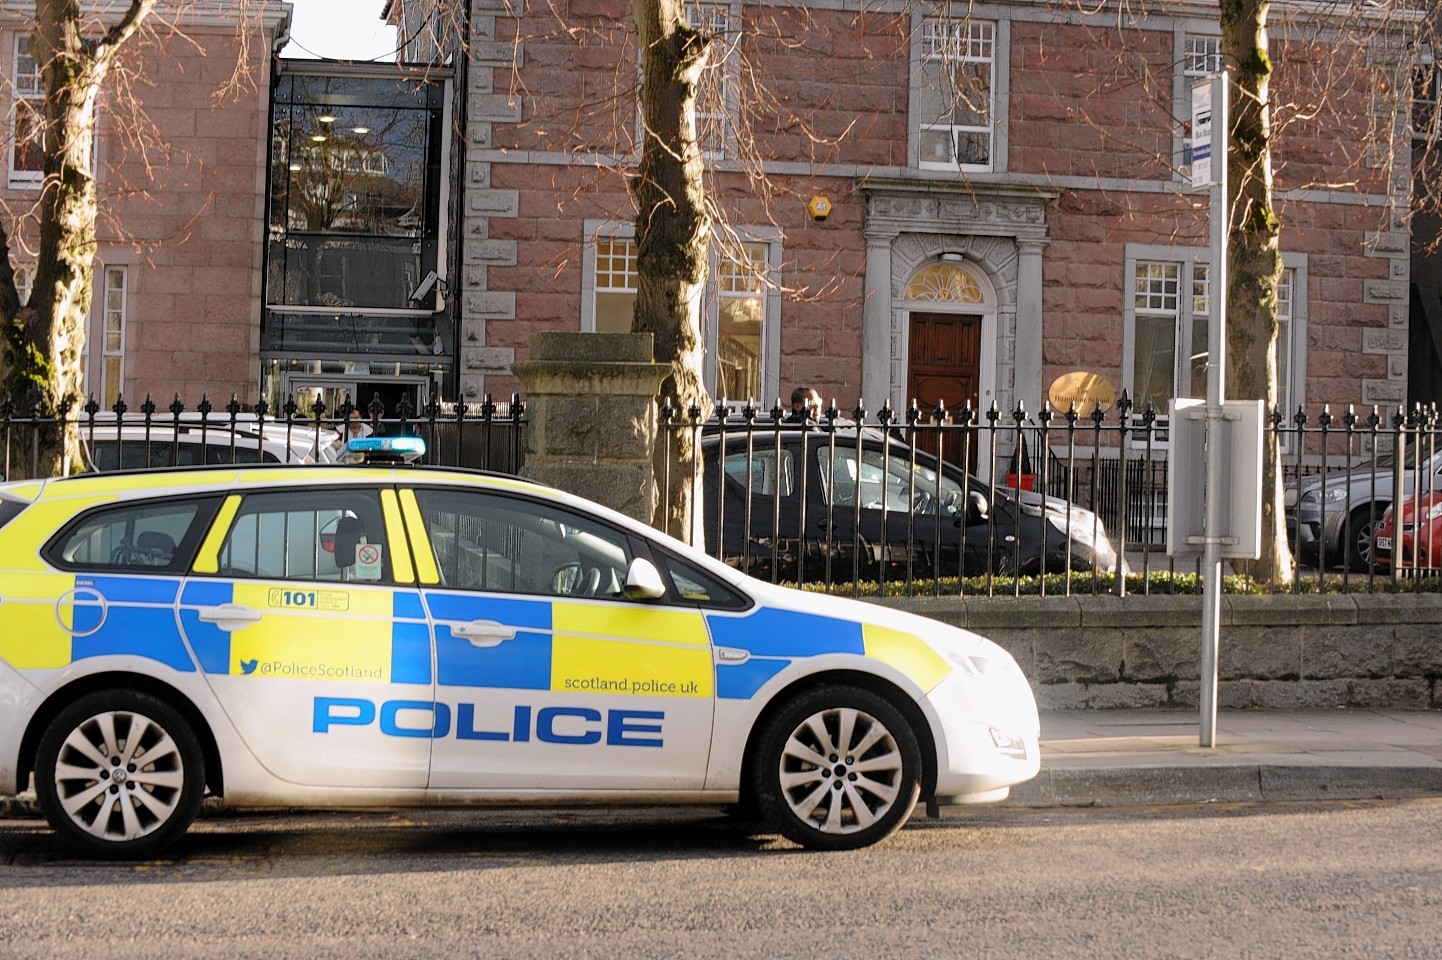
(574, 647)
(382, 634)
(53, 620)
(314, 631)
(776, 638)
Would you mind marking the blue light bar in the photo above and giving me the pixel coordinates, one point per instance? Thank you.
(384, 449)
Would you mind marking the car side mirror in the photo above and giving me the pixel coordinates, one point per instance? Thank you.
(643, 581)
(977, 507)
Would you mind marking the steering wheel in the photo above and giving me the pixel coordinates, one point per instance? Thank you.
(575, 580)
(127, 554)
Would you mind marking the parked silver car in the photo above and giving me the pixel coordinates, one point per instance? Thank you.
(111, 445)
(1332, 518)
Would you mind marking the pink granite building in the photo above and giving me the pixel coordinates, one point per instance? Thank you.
(1008, 192)
(177, 297)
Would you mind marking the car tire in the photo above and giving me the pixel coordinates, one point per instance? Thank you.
(1363, 526)
(838, 768)
(119, 774)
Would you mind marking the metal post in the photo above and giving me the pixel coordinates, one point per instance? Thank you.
(1216, 394)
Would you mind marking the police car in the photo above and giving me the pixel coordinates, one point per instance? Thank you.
(384, 635)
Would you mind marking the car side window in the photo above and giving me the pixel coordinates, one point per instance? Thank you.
(765, 472)
(159, 451)
(892, 482)
(491, 542)
(145, 537)
(694, 585)
(324, 534)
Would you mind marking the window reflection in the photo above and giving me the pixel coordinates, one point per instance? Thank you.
(355, 192)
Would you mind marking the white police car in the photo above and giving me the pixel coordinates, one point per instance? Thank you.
(386, 635)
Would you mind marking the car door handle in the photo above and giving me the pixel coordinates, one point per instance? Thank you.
(229, 616)
(483, 633)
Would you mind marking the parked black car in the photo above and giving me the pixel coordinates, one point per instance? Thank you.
(802, 503)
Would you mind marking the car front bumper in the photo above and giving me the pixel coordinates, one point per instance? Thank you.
(990, 734)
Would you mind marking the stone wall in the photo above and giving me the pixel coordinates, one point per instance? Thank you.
(1279, 652)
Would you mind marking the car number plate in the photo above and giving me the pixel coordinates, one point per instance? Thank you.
(1384, 543)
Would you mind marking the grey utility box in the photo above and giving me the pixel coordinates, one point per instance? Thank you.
(1240, 497)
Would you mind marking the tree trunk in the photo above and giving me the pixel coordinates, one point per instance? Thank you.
(40, 351)
(672, 234)
(1254, 260)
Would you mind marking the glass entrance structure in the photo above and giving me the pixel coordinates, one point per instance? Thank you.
(357, 262)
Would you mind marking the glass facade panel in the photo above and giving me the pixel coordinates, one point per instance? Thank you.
(346, 271)
(324, 333)
(358, 198)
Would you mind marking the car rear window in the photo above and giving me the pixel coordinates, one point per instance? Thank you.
(9, 510)
(149, 536)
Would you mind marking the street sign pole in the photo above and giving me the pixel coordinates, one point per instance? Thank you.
(1216, 395)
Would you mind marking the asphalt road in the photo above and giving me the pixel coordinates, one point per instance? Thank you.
(1295, 881)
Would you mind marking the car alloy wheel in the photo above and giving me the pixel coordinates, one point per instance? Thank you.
(1364, 522)
(839, 769)
(120, 774)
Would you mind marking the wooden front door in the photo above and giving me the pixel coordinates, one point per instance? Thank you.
(944, 365)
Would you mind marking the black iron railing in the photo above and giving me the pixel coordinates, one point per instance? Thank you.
(958, 501)
(486, 435)
(925, 500)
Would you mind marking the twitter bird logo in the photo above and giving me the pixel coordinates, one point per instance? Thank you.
(247, 667)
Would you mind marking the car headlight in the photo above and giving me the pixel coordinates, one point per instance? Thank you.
(1435, 510)
(1086, 530)
(1331, 495)
(1008, 744)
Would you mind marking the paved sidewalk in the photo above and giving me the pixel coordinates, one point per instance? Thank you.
(1123, 757)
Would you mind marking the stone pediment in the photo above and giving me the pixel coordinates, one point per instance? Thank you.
(896, 206)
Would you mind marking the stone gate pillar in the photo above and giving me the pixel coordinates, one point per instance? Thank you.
(591, 416)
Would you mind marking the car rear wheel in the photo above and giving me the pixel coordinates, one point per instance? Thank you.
(120, 774)
(838, 768)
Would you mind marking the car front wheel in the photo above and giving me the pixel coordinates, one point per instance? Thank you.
(1363, 523)
(839, 768)
(120, 774)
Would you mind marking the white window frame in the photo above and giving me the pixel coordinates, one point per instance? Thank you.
(985, 41)
(27, 89)
(770, 238)
(24, 281)
(716, 128)
(107, 317)
(1426, 118)
(1198, 54)
(1196, 301)
(595, 232)
(767, 244)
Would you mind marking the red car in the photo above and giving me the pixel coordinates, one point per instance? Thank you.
(1420, 533)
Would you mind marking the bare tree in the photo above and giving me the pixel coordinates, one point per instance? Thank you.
(673, 227)
(1254, 258)
(79, 53)
(40, 354)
